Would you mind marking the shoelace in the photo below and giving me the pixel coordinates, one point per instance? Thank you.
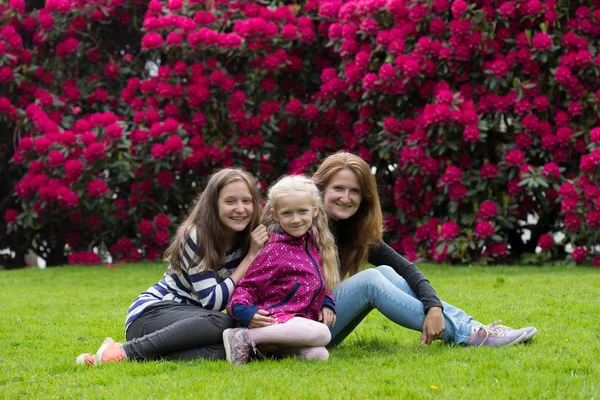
(495, 329)
(256, 351)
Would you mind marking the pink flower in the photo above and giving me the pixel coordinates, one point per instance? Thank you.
(145, 227)
(93, 152)
(593, 218)
(572, 221)
(499, 68)
(294, 107)
(471, 134)
(165, 179)
(391, 125)
(595, 135)
(551, 169)
(158, 151)
(97, 188)
(161, 238)
(84, 257)
(487, 209)
(458, 8)
(92, 222)
(73, 169)
(311, 112)
(6, 74)
(449, 230)
(55, 158)
(10, 216)
(541, 103)
(541, 41)
(173, 145)
(546, 242)
(489, 171)
(452, 174)
(579, 254)
(289, 32)
(484, 229)
(496, 250)
(514, 158)
(163, 222)
(152, 40)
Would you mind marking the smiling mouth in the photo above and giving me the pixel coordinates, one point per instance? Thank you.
(238, 218)
(343, 206)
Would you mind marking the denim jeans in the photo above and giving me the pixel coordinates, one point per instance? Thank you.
(382, 288)
(174, 331)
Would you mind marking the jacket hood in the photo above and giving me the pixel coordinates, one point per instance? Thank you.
(281, 236)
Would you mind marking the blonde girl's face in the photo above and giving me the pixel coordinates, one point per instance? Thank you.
(294, 213)
(342, 195)
(235, 207)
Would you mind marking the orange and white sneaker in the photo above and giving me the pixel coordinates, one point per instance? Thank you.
(86, 359)
(110, 351)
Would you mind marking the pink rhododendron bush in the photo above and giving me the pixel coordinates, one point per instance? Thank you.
(479, 117)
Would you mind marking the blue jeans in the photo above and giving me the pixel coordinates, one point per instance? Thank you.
(382, 288)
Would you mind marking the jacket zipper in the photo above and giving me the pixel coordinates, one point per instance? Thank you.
(288, 297)
(316, 268)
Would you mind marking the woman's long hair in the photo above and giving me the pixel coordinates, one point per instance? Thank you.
(363, 231)
(301, 185)
(204, 219)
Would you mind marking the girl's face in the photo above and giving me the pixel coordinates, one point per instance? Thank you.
(235, 206)
(342, 195)
(294, 213)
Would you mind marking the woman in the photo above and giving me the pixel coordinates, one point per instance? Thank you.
(180, 317)
(396, 288)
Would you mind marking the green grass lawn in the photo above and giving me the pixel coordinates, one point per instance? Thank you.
(48, 317)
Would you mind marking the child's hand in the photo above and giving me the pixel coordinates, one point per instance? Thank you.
(260, 319)
(258, 239)
(327, 316)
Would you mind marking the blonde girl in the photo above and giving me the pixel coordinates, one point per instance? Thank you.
(285, 298)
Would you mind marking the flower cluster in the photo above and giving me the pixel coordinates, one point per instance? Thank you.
(478, 116)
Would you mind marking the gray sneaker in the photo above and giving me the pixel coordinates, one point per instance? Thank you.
(237, 345)
(531, 331)
(496, 335)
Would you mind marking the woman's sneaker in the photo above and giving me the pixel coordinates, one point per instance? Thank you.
(496, 335)
(86, 359)
(531, 331)
(110, 351)
(237, 345)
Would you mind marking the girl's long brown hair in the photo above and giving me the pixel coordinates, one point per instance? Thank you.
(204, 219)
(301, 185)
(363, 231)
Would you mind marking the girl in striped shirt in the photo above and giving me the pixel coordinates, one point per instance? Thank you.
(180, 317)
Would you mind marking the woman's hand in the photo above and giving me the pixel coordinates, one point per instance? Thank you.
(258, 239)
(261, 319)
(434, 326)
(327, 316)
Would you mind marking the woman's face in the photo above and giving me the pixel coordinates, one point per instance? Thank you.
(342, 195)
(235, 207)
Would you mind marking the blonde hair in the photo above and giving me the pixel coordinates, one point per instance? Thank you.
(204, 218)
(301, 185)
(363, 231)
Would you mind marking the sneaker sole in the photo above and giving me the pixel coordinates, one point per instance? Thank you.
(227, 345)
(530, 335)
(80, 360)
(100, 351)
(516, 341)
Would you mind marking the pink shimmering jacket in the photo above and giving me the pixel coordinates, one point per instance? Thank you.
(285, 279)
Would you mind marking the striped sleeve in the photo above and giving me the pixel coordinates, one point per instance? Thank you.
(211, 294)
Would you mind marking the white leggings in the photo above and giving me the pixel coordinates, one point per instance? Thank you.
(300, 337)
